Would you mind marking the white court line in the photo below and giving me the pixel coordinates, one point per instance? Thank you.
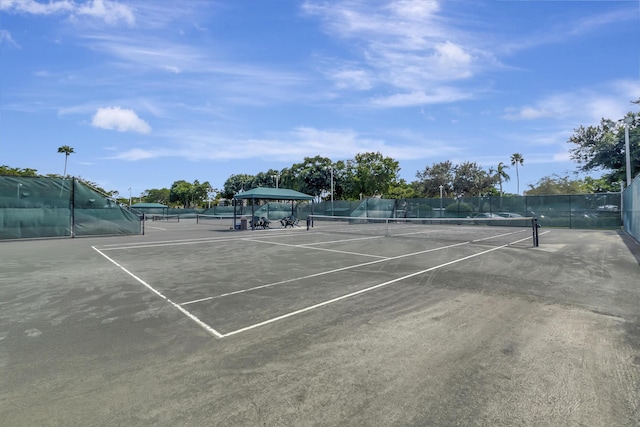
(174, 243)
(362, 291)
(268, 285)
(323, 273)
(339, 241)
(185, 312)
(317, 249)
(139, 245)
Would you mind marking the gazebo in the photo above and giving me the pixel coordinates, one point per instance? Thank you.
(262, 193)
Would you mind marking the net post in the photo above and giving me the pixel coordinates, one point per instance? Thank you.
(535, 226)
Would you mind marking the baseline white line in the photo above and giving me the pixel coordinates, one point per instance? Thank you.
(137, 245)
(185, 312)
(362, 291)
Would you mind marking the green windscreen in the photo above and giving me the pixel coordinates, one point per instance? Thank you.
(35, 207)
(631, 208)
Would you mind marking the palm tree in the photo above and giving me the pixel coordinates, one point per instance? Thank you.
(517, 159)
(66, 150)
(502, 175)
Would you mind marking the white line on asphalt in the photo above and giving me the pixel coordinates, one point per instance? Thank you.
(322, 273)
(185, 312)
(331, 301)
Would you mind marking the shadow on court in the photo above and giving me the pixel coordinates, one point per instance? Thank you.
(198, 324)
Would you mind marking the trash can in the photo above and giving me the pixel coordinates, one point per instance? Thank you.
(243, 223)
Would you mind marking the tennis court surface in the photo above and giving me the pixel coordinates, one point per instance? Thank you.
(356, 323)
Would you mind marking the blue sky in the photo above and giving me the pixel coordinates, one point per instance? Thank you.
(149, 92)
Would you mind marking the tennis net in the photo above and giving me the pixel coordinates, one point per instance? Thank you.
(454, 229)
(168, 218)
(208, 219)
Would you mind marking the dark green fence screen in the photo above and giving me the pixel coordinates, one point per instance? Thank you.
(631, 207)
(600, 210)
(34, 207)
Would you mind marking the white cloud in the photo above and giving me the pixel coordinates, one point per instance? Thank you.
(414, 9)
(109, 11)
(409, 46)
(136, 154)
(36, 8)
(122, 120)
(440, 95)
(586, 106)
(6, 39)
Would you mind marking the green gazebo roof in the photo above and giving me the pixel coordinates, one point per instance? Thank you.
(273, 194)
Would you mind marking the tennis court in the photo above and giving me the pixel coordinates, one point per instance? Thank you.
(347, 323)
(244, 282)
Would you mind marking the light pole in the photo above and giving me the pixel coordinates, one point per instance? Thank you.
(441, 200)
(276, 176)
(331, 170)
(129, 196)
(627, 121)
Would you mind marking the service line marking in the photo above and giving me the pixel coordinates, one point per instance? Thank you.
(152, 289)
(323, 273)
(317, 249)
(369, 289)
(383, 259)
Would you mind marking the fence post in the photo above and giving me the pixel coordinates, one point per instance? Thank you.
(73, 207)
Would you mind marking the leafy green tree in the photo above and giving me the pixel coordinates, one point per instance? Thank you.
(67, 152)
(181, 192)
(237, 183)
(313, 175)
(431, 178)
(602, 147)
(400, 190)
(6, 170)
(601, 185)
(517, 159)
(501, 175)
(189, 195)
(370, 174)
(471, 180)
(157, 195)
(556, 184)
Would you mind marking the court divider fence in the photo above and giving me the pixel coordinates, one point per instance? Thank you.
(631, 208)
(33, 207)
(37, 207)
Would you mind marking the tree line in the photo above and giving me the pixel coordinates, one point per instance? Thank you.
(594, 148)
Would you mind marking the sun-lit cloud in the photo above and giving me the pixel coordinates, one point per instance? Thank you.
(109, 11)
(585, 105)
(440, 95)
(7, 40)
(404, 46)
(122, 120)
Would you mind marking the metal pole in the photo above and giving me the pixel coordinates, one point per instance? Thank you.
(72, 203)
(626, 149)
(441, 201)
(332, 212)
